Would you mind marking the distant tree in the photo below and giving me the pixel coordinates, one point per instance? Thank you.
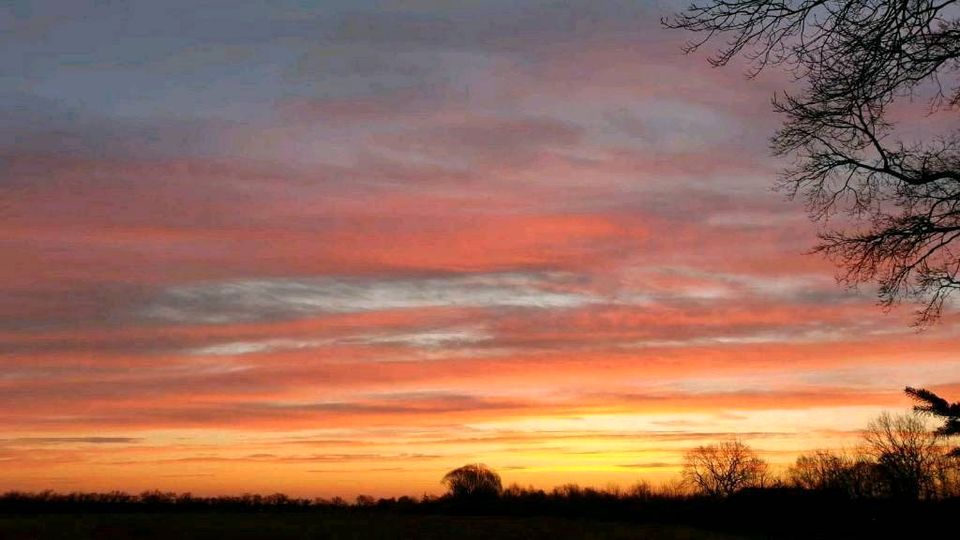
(676, 488)
(906, 453)
(472, 482)
(853, 60)
(406, 501)
(157, 497)
(365, 501)
(934, 405)
(865, 479)
(720, 470)
(276, 499)
(821, 470)
(641, 490)
(513, 491)
(568, 491)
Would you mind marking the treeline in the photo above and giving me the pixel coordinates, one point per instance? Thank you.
(899, 458)
(119, 501)
(901, 478)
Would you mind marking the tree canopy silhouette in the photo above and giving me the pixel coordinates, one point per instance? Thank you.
(473, 481)
(720, 470)
(853, 60)
(906, 453)
(822, 470)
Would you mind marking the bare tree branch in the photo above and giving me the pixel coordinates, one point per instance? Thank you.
(856, 58)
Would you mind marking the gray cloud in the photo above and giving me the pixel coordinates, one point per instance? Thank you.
(71, 440)
(274, 299)
(40, 126)
(515, 140)
(274, 458)
(398, 403)
(668, 126)
(234, 348)
(428, 339)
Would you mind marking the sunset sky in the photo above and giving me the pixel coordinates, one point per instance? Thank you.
(330, 248)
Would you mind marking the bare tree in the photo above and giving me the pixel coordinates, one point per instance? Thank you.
(907, 454)
(864, 479)
(856, 477)
(473, 481)
(854, 59)
(720, 470)
(821, 470)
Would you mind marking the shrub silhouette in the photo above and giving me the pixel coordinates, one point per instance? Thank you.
(474, 481)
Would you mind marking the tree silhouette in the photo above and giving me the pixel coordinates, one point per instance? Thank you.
(934, 405)
(474, 481)
(821, 470)
(854, 58)
(720, 470)
(906, 453)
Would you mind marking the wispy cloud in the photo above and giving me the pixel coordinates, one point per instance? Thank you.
(273, 299)
(431, 339)
(31, 441)
(234, 348)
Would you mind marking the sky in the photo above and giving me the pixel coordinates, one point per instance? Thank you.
(331, 248)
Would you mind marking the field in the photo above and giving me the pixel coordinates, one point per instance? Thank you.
(353, 526)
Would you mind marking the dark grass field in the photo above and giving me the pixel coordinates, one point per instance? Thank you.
(359, 526)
